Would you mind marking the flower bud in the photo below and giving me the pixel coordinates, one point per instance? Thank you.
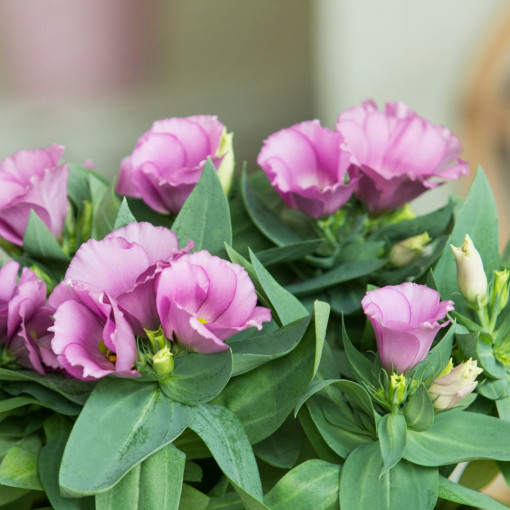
(226, 169)
(499, 294)
(471, 278)
(407, 251)
(163, 362)
(397, 389)
(447, 391)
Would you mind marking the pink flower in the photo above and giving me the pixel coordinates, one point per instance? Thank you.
(405, 320)
(168, 160)
(92, 337)
(108, 297)
(124, 265)
(32, 179)
(202, 300)
(307, 166)
(25, 318)
(398, 154)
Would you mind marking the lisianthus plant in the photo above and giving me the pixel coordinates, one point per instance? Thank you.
(167, 340)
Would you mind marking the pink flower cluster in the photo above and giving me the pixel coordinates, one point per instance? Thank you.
(385, 158)
(137, 279)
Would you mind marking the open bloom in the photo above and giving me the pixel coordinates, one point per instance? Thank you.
(202, 300)
(308, 167)
(32, 179)
(447, 391)
(124, 265)
(405, 319)
(398, 154)
(92, 337)
(168, 160)
(25, 318)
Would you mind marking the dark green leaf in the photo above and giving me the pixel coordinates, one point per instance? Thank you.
(256, 350)
(479, 473)
(223, 434)
(339, 274)
(192, 472)
(40, 242)
(205, 216)
(360, 367)
(282, 448)
(105, 207)
(404, 486)
(458, 436)
(391, 430)
(452, 491)
(124, 216)
(193, 499)
(198, 378)
(477, 217)
(312, 484)
(289, 252)
(252, 396)
(78, 185)
(128, 421)
(419, 410)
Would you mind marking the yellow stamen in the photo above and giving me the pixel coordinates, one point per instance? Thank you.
(202, 320)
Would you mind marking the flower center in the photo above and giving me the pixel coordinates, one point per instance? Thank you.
(202, 320)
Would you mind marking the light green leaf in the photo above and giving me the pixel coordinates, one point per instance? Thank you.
(205, 216)
(124, 216)
(312, 484)
(193, 499)
(454, 492)
(40, 242)
(391, 430)
(458, 436)
(404, 486)
(122, 423)
(419, 410)
(19, 466)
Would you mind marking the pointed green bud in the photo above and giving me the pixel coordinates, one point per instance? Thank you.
(407, 251)
(156, 338)
(398, 388)
(163, 362)
(226, 168)
(499, 294)
(471, 278)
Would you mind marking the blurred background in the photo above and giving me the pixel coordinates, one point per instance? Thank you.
(94, 74)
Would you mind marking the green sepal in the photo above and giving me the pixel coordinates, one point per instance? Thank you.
(419, 410)
(124, 216)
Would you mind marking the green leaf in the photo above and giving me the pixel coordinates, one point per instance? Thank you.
(19, 466)
(40, 242)
(267, 220)
(223, 434)
(192, 472)
(57, 431)
(124, 216)
(282, 448)
(404, 486)
(251, 352)
(193, 499)
(11, 494)
(493, 389)
(285, 305)
(128, 421)
(73, 389)
(360, 366)
(205, 216)
(312, 484)
(391, 430)
(341, 273)
(198, 378)
(43, 396)
(289, 252)
(315, 387)
(452, 491)
(458, 436)
(434, 223)
(252, 396)
(474, 346)
(78, 185)
(477, 217)
(479, 473)
(503, 406)
(105, 207)
(419, 410)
